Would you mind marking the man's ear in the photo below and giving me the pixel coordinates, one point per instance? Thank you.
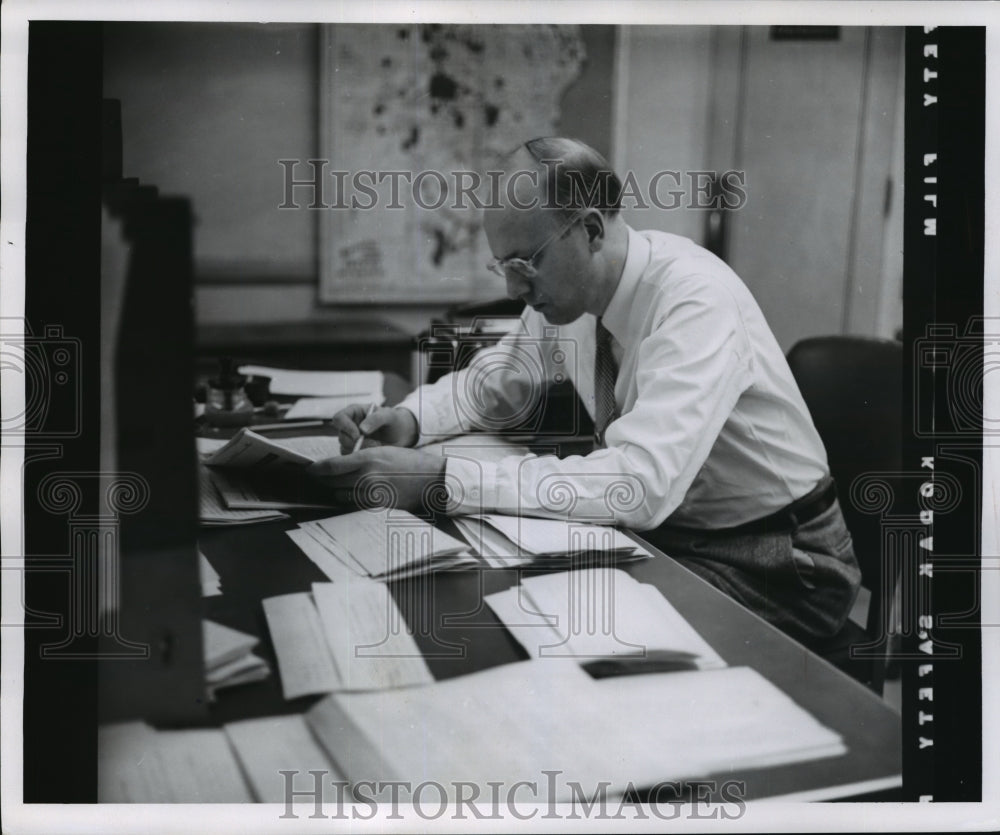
(593, 225)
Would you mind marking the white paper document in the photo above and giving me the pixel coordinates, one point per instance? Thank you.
(210, 580)
(326, 407)
(273, 744)
(370, 642)
(304, 661)
(344, 636)
(258, 496)
(249, 667)
(213, 511)
(500, 724)
(387, 541)
(555, 536)
(366, 386)
(139, 764)
(221, 644)
(596, 613)
(324, 559)
(251, 449)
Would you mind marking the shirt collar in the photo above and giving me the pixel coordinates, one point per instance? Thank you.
(616, 315)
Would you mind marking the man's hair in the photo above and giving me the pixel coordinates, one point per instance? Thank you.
(577, 176)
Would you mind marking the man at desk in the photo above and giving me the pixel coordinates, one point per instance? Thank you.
(702, 438)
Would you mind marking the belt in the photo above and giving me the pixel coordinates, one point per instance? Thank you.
(803, 510)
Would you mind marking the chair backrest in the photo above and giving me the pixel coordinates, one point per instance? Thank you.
(853, 388)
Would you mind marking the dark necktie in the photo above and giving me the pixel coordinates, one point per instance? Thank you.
(605, 372)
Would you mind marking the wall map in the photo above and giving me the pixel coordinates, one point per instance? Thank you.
(405, 110)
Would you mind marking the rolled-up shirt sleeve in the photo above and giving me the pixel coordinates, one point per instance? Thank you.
(691, 370)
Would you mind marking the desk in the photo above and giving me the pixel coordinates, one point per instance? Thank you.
(261, 561)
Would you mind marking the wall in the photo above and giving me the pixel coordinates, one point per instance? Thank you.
(811, 123)
(209, 109)
(662, 87)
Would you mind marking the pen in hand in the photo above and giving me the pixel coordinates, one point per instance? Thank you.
(361, 436)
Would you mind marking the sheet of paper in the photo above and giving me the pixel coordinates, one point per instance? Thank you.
(248, 676)
(234, 668)
(639, 729)
(273, 744)
(138, 764)
(333, 547)
(385, 541)
(313, 447)
(238, 493)
(599, 612)
(486, 541)
(370, 642)
(452, 562)
(490, 544)
(326, 407)
(213, 510)
(325, 561)
(555, 536)
(304, 661)
(518, 715)
(221, 644)
(210, 580)
(528, 627)
(365, 385)
(251, 449)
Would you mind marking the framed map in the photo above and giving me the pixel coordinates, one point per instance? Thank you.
(410, 118)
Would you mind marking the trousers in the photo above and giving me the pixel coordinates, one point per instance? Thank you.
(802, 580)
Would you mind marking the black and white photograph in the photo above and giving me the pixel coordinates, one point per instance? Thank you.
(499, 417)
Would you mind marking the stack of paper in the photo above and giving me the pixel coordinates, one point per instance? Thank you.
(356, 386)
(253, 472)
(343, 636)
(213, 509)
(595, 613)
(385, 544)
(628, 731)
(249, 449)
(139, 764)
(505, 541)
(229, 659)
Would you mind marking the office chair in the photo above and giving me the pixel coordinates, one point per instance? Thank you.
(853, 388)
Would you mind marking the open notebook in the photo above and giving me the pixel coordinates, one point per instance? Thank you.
(507, 723)
(251, 472)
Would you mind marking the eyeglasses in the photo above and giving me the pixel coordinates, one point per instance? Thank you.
(526, 267)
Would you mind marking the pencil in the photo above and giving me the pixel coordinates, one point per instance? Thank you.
(361, 437)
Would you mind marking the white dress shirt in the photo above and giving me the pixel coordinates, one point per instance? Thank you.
(712, 431)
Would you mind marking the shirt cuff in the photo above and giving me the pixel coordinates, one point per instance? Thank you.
(471, 486)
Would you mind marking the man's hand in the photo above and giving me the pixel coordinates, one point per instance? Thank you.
(384, 427)
(384, 476)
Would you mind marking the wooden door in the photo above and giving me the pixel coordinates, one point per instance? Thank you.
(813, 123)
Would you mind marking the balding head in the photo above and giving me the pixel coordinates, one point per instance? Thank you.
(561, 175)
(556, 229)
